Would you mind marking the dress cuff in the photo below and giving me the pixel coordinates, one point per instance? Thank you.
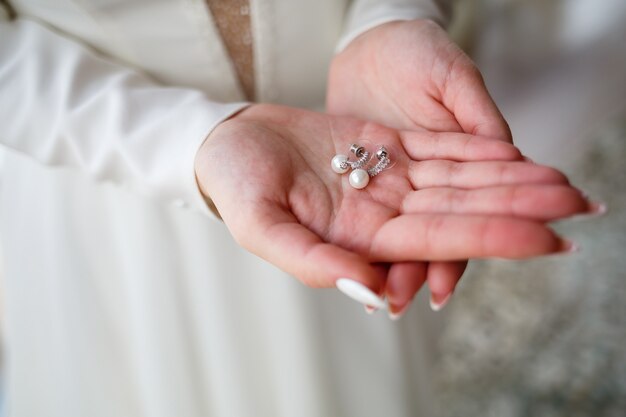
(199, 121)
(363, 16)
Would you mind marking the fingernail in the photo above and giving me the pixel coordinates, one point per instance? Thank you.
(567, 246)
(596, 208)
(396, 315)
(359, 292)
(370, 310)
(437, 305)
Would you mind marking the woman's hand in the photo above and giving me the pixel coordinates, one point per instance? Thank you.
(450, 196)
(411, 76)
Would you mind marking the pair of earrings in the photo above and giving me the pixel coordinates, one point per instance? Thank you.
(360, 177)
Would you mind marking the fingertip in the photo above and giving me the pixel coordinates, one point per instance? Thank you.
(537, 239)
(438, 302)
(595, 208)
(511, 238)
(549, 202)
(443, 278)
(403, 282)
(396, 314)
(567, 246)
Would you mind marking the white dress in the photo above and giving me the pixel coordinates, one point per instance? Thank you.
(123, 294)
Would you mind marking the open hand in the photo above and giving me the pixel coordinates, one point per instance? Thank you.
(450, 196)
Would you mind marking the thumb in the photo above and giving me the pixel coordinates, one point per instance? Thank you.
(465, 94)
(276, 236)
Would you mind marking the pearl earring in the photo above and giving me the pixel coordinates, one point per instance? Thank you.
(359, 178)
(340, 163)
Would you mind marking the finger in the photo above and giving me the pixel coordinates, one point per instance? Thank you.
(464, 93)
(382, 269)
(456, 146)
(403, 282)
(444, 237)
(439, 173)
(442, 278)
(538, 202)
(277, 237)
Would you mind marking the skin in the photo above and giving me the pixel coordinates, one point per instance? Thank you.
(449, 196)
(409, 75)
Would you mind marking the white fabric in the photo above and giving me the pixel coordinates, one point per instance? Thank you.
(366, 14)
(74, 109)
(119, 303)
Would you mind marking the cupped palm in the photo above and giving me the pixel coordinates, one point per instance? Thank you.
(268, 172)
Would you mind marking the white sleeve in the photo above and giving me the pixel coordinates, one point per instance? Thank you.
(367, 14)
(62, 104)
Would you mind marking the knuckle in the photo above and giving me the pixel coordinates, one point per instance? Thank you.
(457, 200)
(464, 68)
(453, 172)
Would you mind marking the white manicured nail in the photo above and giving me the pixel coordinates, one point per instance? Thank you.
(359, 292)
(597, 209)
(396, 316)
(438, 306)
(370, 310)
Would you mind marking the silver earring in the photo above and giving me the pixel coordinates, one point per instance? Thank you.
(341, 164)
(383, 162)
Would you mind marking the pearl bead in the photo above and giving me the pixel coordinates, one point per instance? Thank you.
(337, 164)
(359, 178)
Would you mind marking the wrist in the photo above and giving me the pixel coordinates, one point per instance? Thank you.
(201, 160)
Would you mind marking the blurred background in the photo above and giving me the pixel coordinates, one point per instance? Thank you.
(548, 337)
